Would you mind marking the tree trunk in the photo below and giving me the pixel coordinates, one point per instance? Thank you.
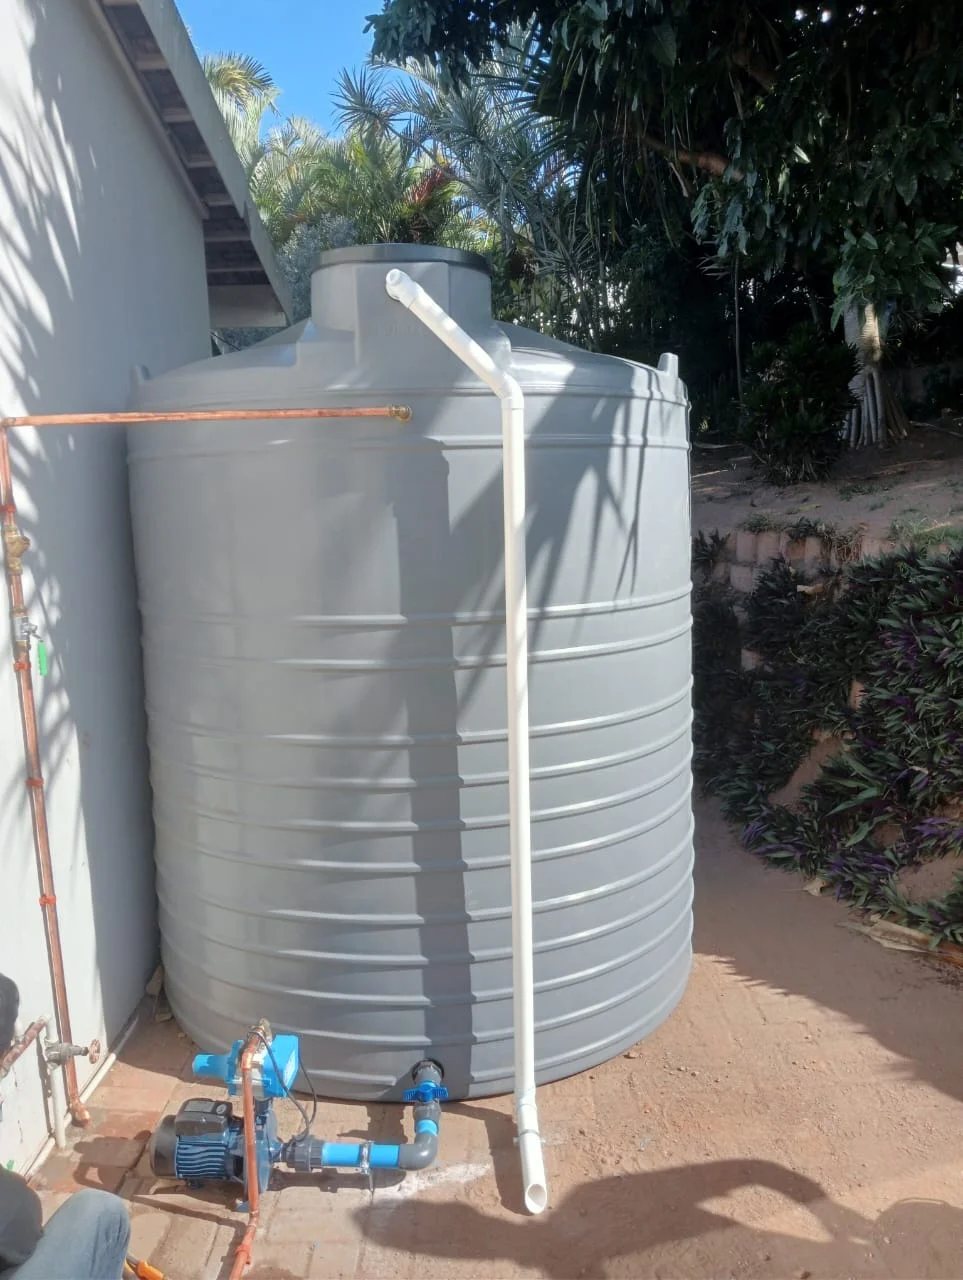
(877, 417)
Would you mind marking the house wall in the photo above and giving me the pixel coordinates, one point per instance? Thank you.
(101, 268)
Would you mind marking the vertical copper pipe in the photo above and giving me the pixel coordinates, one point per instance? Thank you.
(244, 1251)
(15, 543)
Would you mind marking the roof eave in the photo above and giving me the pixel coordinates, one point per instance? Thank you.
(162, 62)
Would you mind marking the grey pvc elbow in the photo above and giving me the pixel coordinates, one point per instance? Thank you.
(423, 1151)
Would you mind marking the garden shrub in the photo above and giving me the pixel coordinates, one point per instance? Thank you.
(795, 404)
(896, 626)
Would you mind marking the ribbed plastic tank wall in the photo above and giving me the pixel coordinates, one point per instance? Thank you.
(324, 642)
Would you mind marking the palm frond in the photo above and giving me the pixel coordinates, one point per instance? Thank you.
(238, 77)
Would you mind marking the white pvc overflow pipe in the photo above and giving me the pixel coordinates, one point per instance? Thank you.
(403, 289)
(58, 1092)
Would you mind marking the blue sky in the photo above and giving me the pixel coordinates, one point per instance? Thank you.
(302, 43)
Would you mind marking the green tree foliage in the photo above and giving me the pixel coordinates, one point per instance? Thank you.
(380, 184)
(514, 178)
(557, 266)
(819, 137)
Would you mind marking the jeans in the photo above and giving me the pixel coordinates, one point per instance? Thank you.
(86, 1239)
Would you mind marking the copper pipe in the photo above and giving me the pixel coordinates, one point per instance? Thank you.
(244, 1251)
(15, 543)
(400, 412)
(20, 1047)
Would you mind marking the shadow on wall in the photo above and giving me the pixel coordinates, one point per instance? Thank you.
(71, 490)
(779, 938)
(666, 1222)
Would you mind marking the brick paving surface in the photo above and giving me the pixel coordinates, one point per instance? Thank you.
(799, 1114)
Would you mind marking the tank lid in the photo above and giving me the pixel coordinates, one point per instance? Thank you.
(401, 253)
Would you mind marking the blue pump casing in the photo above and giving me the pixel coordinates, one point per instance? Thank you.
(205, 1140)
(274, 1071)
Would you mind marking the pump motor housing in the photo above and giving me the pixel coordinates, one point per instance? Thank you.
(204, 1142)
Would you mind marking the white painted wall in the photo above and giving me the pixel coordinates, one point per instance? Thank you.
(101, 268)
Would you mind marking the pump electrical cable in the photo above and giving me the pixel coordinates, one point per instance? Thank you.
(306, 1125)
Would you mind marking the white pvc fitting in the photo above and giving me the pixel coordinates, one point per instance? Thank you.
(58, 1092)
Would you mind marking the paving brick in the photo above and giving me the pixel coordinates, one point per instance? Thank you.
(227, 1237)
(134, 1089)
(322, 1210)
(335, 1260)
(132, 1186)
(148, 1229)
(156, 1192)
(119, 1153)
(70, 1173)
(377, 1261)
(279, 1261)
(51, 1201)
(185, 1250)
(134, 1125)
(157, 1047)
(181, 1090)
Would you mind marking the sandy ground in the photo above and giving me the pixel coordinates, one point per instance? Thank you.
(917, 485)
(799, 1115)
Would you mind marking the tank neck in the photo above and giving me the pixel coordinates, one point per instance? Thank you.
(348, 294)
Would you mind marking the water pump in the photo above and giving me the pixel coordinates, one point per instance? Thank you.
(204, 1141)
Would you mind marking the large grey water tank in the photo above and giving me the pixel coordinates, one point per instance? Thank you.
(324, 644)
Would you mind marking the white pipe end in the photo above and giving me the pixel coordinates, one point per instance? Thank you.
(400, 286)
(534, 1183)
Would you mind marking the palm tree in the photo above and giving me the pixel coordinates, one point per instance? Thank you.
(514, 171)
(282, 161)
(392, 191)
(382, 184)
(237, 79)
